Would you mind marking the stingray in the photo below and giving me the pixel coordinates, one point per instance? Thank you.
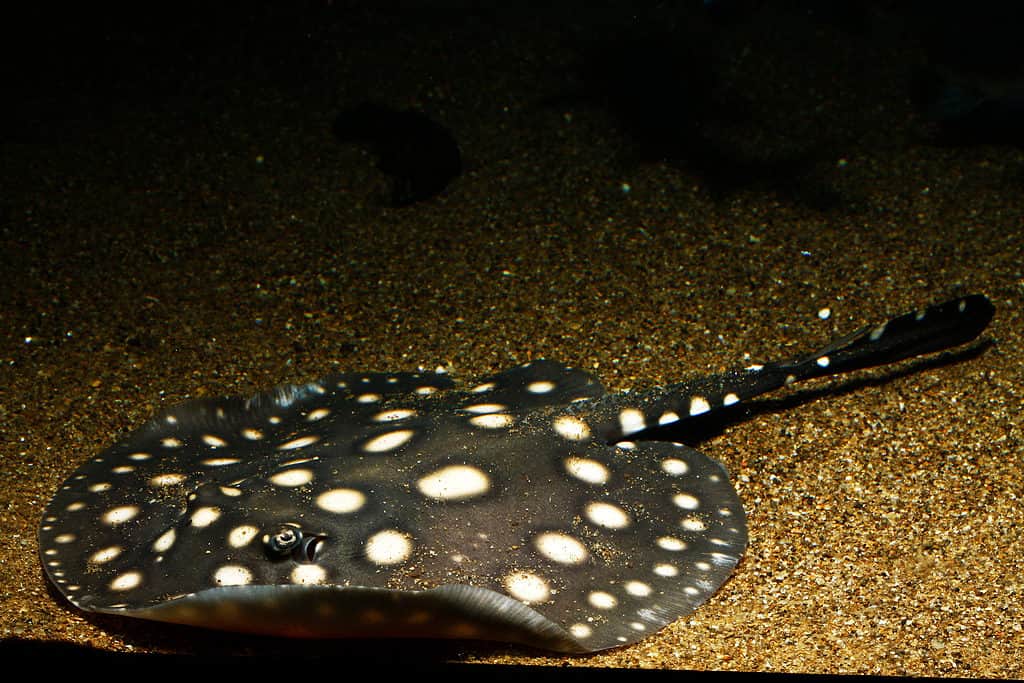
(529, 506)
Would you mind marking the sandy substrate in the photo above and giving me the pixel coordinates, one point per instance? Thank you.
(161, 243)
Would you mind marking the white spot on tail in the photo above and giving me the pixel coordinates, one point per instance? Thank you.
(631, 421)
(542, 387)
(668, 417)
(823, 362)
(699, 405)
(214, 441)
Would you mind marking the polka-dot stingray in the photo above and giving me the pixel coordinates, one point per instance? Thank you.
(530, 506)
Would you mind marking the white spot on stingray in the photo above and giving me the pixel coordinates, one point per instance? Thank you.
(671, 543)
(756, 367)
(699, 405)
(824, 313)
(607, 515)
(392, 415)
(541, 387)
(425, 391)
(205, 516)
(139, 456)
(318, 414)
(241, 535)
(585, 469)
(823, 362)
(730, 399)
(289, 478)
(693, 524)
(368, 398)
(341, 501)
(120, 515)
(167, 479)
(877, 333)
(631, 421)
(581, 631)
(561, 548)
(274, 420)
(105, 555)
(123, 469)
(571, 428)
(100, 487)
(638, 588)
(76, 506)
(252, 434)
(492, 420)
(481, 388)
(171, 442)
(625, 445)
(686, 501)
(306, 574)
(388, 547)
(171, 420)
(674, 467)
(454, 482)
(602, 600)
(165, 541)
(126, 581)
(665, 569)
(527, 587)
(219, 462)
(637, 626)
(482, 408)
(232, 575)
(300, 442)
(668, 417)
(230, 491)
(388, 441)
(214, 441)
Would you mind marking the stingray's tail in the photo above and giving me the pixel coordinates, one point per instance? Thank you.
(935, 328)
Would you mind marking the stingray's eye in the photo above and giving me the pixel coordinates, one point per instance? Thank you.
(283, 540)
